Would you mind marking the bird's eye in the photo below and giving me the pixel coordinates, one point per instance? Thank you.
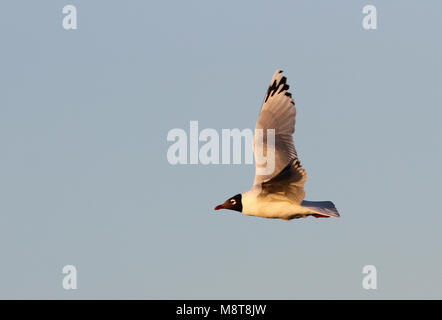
(233, 201)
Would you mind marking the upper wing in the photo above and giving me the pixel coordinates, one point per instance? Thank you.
(278, 112)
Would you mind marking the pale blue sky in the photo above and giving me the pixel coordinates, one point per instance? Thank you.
(84, 177)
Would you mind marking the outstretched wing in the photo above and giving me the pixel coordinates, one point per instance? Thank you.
(278, 112)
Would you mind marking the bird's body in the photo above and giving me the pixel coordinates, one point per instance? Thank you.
(275, 207)
(271, 206)
(280, 192)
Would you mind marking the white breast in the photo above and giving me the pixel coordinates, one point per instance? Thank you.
(270, 207)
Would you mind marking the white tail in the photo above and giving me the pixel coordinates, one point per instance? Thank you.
(325, 208)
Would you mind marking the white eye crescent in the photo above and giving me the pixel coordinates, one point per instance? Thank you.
(233, 201)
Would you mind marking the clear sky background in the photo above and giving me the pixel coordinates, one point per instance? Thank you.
(84, 178)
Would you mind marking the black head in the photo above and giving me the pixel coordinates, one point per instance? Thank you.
(233, 203)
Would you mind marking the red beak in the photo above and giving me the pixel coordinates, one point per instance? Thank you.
(219, 207)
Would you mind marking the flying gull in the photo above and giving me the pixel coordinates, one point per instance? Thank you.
(279, 193)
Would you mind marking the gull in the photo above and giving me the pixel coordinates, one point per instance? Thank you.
(279, 194)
